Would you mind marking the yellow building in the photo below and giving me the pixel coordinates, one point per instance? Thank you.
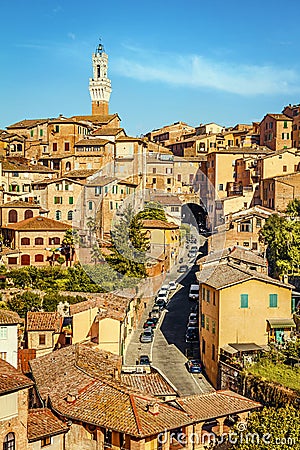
(240, 306)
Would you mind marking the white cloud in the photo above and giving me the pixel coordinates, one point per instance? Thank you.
(200, 72)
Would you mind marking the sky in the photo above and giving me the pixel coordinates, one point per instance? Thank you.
(193, 61)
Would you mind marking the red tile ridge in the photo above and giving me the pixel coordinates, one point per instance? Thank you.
(137, 419)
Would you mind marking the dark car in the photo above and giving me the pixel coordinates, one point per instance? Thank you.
(144, 360)
(192, 335)
(150, 323)
(160, 303)
(194, 366)
(182, 269)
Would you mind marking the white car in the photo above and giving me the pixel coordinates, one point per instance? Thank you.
(165, 287)
(162, 296)
(173, 285)
(163, 292)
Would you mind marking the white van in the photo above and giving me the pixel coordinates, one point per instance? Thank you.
(194, 292)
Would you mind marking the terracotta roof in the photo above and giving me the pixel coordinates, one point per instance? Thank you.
(235, 253)
(129, 138)
(279, 117)
(43, 321)
(107, 131)
(92, 141)
(20, 204)
(27, 123)
(150, 383)
(11, 379)
(15, 164)
(109, 305)
(96, 398)
(243, 150)
(216, 404)
(38, 223)
(159, 224)
(225, 275)
(9, 317)
(96, 118)
(42, 422)
(167, 200)
(101, 181)
(56, 180)
(81, 173)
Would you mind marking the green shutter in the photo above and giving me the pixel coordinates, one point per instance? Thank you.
(244, 300)
(273, 300)
(70, 200)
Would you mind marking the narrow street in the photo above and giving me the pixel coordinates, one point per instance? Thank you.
(168, 351)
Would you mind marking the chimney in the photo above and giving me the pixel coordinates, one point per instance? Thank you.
(72, 396)
(153, 408)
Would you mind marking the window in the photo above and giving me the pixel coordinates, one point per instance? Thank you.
(169, 180)
(213, 327)
(246, 226)
(208, 296)
(12, 216)
(213, 352)
(207, 323)
(46, 441)
(285, 135)
(71, 200)
(25, 241)
(3, 332)
(25, 260)
(31, 133)
(169, 170)
(214, 298)
(154, 170)
(12, 260)
(203, 346)
(28, 214)
(57, 215)
(67, 146)
(39, 241)
(57, 200)
(273, 300)
(179, 177)
(111, 206)
(98, 190)
(202, 320)
(42, 339)
(258, 223)
(54, 241)
(54, 147)
(285, 124)
(254, 246)
(153, 180)
(3, 355)
(15, 174)
(107, 438)
(70, 215)
(39, 258)
(90, 206)
(56, 128)
(41, 133)
(284, 168)
(9, 442)
(244, 300)
(221, 187)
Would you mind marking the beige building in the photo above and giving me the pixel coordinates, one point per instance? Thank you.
(35, 241)
(240, 306)
(42, 331)
(293, 112)
(279, 191)
(170, 133)
(276, 131)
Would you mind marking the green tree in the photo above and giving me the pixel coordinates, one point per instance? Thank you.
(153, 211)
(22, 303)
(78, 281)
(293, 208)
(129, 245)
(71, 237)
(270, 429)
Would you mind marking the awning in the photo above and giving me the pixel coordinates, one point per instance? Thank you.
(228, 349)
(247, 347)
(281, 323)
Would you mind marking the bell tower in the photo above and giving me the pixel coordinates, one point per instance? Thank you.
(100, 85)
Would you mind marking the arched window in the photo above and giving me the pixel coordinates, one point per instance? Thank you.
(25, 260)
(12, 216)
(58, 215)
(68, 166)
(28, 214)
(9, 442)
(39, 258)
(39, 241)
(70, 215)
(25, 241)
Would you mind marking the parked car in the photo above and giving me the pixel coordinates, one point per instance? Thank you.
(160, 302)
(165, 287)
(194, 366)
(144, 360)
(155, 312)
(192, 254)
(162, 296)
(149, 323)
(194, 248)
(193, 320)
(146, 336)
(182, 269)
(192, 335)
(194, 292)
(173, 285)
